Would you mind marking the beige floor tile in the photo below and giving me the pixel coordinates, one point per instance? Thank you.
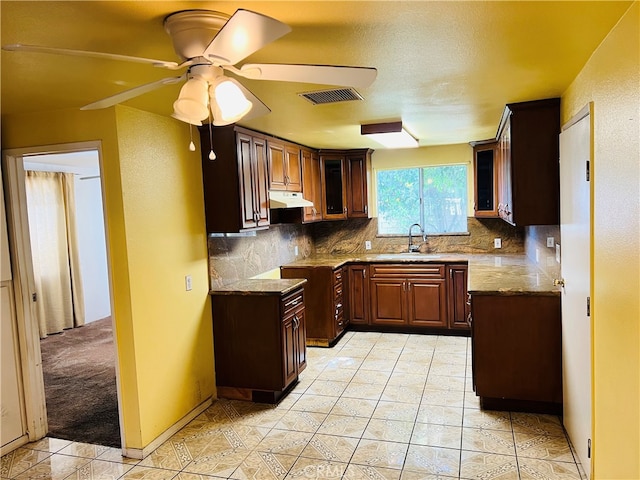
(148, 473)
(388, 430)
(287, 402)
(284, 442)
(421, 353)
(396, 411)
(327, 387)
(359, 472)
(445, 382)
(172, 455)
(433, 460)
(85, 450)
(422, 340)
(437, 435)
(448, 369)
(445, 398)
(262, 418)
(398, 339)
(410, 475)
(301, 421)
(410, 365)
(356, 352)
(312, 468)
(344, 362)
(377, 364)
(354, 407)
(440, 415)
(337, 374)
(488, 441)
(537, 423)
(487, 419)
(471, 401)
(54, 467)
(100, 470)
(371, 376)
(375, 453)
(370, 391)
(315, 403)
(20, 460)
(544, 447)
(533, 469)
(330, 447)
(115, 455)
(194, 476)
(487, 466)
(48, 444)
(264, 466)
(407, 379)
(344, 426)
(222, 463)
(386, 354)
(450, 359)
(399, 393)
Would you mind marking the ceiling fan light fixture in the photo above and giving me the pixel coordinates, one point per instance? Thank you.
(192, 103)
(228, 103)
(389, 134)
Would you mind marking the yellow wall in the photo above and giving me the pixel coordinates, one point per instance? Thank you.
(156, 235)
(419, 157)
(611, 79)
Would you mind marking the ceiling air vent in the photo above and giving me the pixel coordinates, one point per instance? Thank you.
(332, 96)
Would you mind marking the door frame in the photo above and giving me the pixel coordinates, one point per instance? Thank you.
(24, 283)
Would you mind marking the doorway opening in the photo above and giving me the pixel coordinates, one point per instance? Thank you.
(66, 244)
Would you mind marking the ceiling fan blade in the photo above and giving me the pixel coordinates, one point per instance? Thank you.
(258, 109)
(132, 93)
(244, 33)
(322, 74)
(18, 47)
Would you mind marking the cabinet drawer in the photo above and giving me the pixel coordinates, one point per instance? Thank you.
(338, 292)
(431, 270)
(292, 302)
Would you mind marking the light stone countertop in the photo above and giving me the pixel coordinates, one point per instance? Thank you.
(256, 286)
(510, 274)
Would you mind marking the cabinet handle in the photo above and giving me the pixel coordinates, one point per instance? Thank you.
(339, 292)
(366, 209)
(338, 306)
(364, 273)
(293, 302)
(344, 209)
(296, 322)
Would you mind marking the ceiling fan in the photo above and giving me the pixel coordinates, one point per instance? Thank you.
(208, 44)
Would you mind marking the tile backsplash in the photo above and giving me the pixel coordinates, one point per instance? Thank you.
(537, 251)
(235, 258)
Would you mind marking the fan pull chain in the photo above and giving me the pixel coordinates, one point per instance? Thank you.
(212, 155)
(192, 146)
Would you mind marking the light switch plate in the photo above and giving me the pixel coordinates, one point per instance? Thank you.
(295, 250)
(497, 243)
(550, 242)
(187, 283)
(367, 244)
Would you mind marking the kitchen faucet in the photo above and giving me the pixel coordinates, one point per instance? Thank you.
(412, 247)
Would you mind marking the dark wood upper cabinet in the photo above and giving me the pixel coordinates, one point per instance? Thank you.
(311, 185)
(344, 183)
(235, 183)
(284, 165)
(529, 175)
(485, 179)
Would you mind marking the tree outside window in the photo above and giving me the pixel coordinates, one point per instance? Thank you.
(434, 197)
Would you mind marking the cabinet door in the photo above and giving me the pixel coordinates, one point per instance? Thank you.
(505, 204)
(276, 155)
(485, 182)
(358, 294)
(357, 202)
(458, 308)
(311, 188)
(427, 303)
(292, 169)
(334, 199)
(290, 351)
(246, 175)
(300, 339)
(261, 182)
(388, 301)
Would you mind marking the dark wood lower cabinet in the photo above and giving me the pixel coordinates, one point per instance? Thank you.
(358, 294)
(517, 352)
(260, 344)
(457, 298)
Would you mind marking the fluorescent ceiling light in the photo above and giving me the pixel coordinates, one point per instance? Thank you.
(390, 135)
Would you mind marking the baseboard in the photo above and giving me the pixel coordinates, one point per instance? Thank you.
(141, 453)
(12, 445)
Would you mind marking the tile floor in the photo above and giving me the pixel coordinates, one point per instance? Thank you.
(376, 406)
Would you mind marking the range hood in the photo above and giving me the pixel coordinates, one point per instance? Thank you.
(279, 199)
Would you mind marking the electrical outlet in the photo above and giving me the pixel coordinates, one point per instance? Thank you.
(295, 250)
(187, 283)
(367, 245)
(537, 255)
(550, 242)
(558, 252)
(497, 243)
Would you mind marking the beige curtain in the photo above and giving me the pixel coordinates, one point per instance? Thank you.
(54, 248)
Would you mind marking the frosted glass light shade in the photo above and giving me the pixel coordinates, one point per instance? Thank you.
(192, 103)
(228, 103)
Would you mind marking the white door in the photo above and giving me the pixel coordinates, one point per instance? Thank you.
(575, 233)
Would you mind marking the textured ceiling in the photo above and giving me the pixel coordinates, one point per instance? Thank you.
(445, 69)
